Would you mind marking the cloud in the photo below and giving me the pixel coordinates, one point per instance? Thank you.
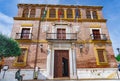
(6, 23)
(5, 18)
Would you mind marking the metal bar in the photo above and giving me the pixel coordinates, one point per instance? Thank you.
(98, 36)
(69, 36)
(18, 35)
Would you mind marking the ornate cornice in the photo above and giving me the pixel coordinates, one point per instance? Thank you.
(68, 19)
(61, 6)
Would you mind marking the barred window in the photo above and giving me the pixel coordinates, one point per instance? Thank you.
(88, 15)
(101, 55)
(52, 13)
(25, 12)
(32, 13)
(94, 13)
(61, 13)
(42, 12)
(69, 13)
(77, 13)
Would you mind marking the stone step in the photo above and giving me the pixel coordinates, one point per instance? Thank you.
(76, 80)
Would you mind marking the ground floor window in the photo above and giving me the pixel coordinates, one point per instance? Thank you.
(101, 56)
(22, 56)
(21, 60)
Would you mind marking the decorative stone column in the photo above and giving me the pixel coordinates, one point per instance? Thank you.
(49, 65)
(73, 64)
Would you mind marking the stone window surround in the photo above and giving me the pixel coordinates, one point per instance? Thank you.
(21, 64)
(20, 31)
(97, 57)
(100, 30)
(29, 11)
(91, 13)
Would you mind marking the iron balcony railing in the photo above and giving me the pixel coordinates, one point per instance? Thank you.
(98, 36)
(23, 36)
(61, 36)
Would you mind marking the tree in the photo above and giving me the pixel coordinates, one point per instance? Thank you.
(118, 57)
(8, 47)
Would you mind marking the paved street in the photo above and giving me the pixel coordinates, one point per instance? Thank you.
(65, 80)
(61, 80)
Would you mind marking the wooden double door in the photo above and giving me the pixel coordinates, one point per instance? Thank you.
(61, 63)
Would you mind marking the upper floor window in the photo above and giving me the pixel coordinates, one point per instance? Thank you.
(96, 34)
(77, 13)
(69, 13)
(60, 13)
(95, 15)
(25, 33)
(88, 14)
(91, 14)
(32, 13)
(61, 33)
(43, 12)
(25, 12)
(52, 13)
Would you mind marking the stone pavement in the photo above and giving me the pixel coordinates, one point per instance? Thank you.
(73, 80)
(67, 80)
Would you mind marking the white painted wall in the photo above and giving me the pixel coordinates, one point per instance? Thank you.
(98, 73)
(28, 74)
(86, 73)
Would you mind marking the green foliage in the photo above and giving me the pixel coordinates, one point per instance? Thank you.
(8, 47)
(118, 57)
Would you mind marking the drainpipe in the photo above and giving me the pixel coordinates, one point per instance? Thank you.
(36, 55)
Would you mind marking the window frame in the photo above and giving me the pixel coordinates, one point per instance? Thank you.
(25, 11)
(62, 15)
(91, 14)
(21, 64)
(95, 16)
(29, 34)
(32, 13)
(88, 16)
(79, 13)
(91, 31)
(42, 12)
(69, 14)
(66, 27)
(104, 54)
(51, 14)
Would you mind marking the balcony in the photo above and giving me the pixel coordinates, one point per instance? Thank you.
(98, 37)
(23, 36)
(62, 36)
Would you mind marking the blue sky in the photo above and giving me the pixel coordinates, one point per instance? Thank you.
(111, 12)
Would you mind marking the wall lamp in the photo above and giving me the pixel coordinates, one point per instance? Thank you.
(41, 47)
(81, 48)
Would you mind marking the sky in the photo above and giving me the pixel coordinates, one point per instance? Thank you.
(111, 12)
